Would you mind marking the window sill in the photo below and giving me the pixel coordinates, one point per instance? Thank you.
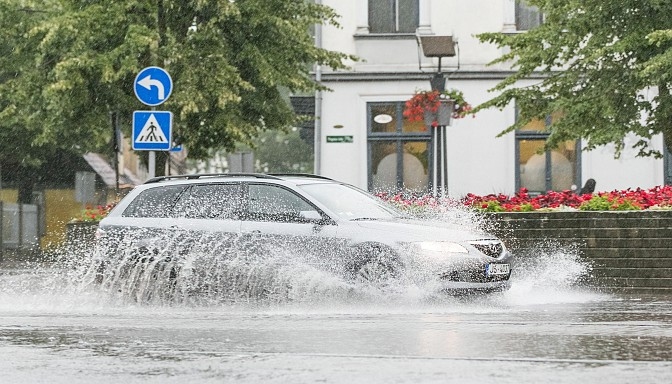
(385, 36)
(514, 31)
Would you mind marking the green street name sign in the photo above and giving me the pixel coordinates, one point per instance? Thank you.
(339, 139)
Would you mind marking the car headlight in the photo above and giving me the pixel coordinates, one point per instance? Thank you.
(442, 246)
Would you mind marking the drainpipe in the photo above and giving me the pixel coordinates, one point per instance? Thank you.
(2, 219)
(318, 104)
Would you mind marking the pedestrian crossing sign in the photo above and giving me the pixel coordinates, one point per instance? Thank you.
(152, 130)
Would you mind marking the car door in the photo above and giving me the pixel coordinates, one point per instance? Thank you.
(278, 222)
(207, 218)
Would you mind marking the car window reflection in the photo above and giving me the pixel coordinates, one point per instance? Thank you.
(350, 203)
(215, 201)
(272, 203)
(154, 202)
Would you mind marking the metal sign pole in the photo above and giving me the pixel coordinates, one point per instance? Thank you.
(151, 164)
(444, 165)
(439, 158)
(152, 130)
(435, 168)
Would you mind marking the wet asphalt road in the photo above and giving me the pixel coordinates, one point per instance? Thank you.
(531, 334)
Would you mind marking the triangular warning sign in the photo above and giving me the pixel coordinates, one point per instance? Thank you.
(151, 132)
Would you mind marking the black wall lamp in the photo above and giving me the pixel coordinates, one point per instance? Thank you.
(439, 47)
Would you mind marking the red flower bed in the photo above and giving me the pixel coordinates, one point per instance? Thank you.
(659, 197)
(94, 214)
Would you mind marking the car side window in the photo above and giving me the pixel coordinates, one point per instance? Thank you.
(273, 203)
(154, 202)
(212, 201)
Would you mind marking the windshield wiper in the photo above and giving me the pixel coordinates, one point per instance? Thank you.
(364, 218)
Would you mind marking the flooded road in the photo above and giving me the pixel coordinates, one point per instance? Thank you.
(542, 330)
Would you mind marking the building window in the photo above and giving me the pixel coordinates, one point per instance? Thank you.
(393, 16)
(527, 16)
(540, 171)
(399, 150)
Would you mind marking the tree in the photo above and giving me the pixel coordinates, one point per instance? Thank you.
(229, 60)
(280, 152)
(21, 153)
(596, 61)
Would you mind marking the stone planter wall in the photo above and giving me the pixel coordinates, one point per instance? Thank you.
(630, 251)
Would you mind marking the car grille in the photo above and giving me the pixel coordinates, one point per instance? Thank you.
(491, 248)
(473, 276)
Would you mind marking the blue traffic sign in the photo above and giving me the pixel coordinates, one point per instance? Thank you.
(153, 86)
(152, 130)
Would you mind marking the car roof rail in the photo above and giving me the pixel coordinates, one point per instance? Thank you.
(206, 175)
(307, 175)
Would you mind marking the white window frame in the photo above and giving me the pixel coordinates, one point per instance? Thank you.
(424, 16)
(510, 22)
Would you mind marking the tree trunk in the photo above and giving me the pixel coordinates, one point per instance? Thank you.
(667, 139)
(664, 115)
(26, 184)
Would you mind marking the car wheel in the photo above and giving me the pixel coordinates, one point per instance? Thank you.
(375, 264)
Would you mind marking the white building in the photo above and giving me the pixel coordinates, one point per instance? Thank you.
(358, 143)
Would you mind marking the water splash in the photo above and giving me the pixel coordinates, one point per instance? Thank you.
(552, 273)
(214, 270)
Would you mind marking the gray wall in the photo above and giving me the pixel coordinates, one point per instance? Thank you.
(630, 251)
(18, 225)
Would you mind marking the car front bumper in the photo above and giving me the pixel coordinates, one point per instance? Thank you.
(461, 287)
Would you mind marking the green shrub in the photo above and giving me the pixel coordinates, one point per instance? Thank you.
(608, 203)
(492, 206)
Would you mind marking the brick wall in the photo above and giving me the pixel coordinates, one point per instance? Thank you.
(630, 251)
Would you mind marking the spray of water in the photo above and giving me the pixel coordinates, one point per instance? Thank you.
(212, 270)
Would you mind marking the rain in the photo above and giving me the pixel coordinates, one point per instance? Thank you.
(534, 98)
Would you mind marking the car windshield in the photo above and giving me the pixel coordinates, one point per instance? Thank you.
(350, 203)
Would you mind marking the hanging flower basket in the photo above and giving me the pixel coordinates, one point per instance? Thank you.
(444, 112)
(437, 108)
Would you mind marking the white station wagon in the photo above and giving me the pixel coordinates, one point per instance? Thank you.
(332, 226)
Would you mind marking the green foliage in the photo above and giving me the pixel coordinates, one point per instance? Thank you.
(496, 206)
(526, 207)
(593, 61)
(492, 206)
(281, 152)
(18, 145)
(609, 203)
(66, 64)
